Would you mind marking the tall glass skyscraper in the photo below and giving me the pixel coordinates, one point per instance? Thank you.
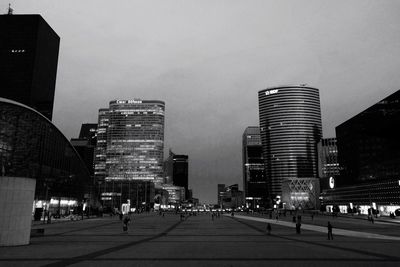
(130, 146)
(290, 126)
(101, 146)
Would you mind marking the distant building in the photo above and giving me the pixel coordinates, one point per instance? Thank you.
(290, 126)
(254, 180)
(88, 131)
(176, 171)
(180, 172)
(130, 147)
(101, 147)
(369, 157)
(230, 197)
(176, 194)
(28, 61)
(169, 168)
(86, 144)
(328, 164)
(220, 193)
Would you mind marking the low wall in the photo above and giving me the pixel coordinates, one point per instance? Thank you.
(16, 198)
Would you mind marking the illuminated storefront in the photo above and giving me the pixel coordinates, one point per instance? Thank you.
(382, 196)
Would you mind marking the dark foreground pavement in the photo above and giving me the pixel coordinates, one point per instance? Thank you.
(154, 240)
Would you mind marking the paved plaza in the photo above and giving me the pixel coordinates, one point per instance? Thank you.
(239, 240)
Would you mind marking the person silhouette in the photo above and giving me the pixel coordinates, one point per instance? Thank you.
(330, 235)
(269, 229)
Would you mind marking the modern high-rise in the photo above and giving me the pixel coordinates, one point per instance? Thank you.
(180, 172)
(254, 180)
(169, 168)
(369, 157)
(328, 158)
(101, 147)
(176, 171)
(290, 127)
(368, 143)
(28, 61)
(86, 144)
(130, 149)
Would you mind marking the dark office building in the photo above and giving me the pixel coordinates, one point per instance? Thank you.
(328, 158)
(169, 168)
(254, 180)
(180, 172)
(86, 144)
(28, 61)
(220, 192)
(328, 165)
(368, 144)
(88, 131)
(369, 157)
(230, 197)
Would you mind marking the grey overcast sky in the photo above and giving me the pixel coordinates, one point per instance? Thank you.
(208, 59)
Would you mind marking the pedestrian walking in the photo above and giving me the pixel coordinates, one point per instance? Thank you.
(125, 223)
(330, 236)
(269, 229)
(298, 227)
(49, 218)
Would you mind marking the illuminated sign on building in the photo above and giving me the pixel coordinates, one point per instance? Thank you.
(271, 92)
(135, 101)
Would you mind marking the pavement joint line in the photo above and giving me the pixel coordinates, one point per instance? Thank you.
(322, 229)
(76, 230)
(80, 229)
(379, 255)
(93, 255)
(313, 259)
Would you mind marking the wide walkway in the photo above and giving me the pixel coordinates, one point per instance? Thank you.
(154, 240)
(320, 229)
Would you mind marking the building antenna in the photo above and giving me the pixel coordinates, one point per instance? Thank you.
(10, 10)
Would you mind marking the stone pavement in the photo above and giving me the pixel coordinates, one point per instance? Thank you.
(154, 240)
(321, 229)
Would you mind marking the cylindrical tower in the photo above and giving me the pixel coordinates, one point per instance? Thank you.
(290, 125)
(135, 140)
